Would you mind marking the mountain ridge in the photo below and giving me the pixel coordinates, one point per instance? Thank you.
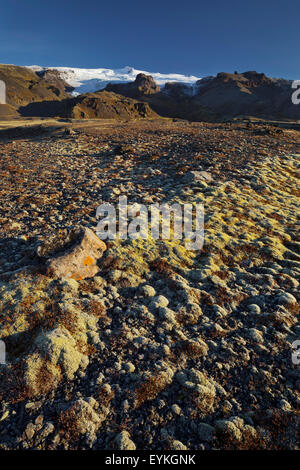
(39, 91)
(90, 80)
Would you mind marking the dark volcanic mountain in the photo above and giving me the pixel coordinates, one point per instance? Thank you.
(248, 93)
(217, 98)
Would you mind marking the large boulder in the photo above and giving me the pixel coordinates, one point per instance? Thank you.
(142, 86)
(72, 255)
(146, 84)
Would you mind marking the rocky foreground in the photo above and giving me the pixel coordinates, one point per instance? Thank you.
(162, 347)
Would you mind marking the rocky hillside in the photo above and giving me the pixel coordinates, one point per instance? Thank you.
(24, 86)
(100, 105)
(249, 93)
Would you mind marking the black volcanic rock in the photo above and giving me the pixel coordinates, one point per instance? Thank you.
(142, 86)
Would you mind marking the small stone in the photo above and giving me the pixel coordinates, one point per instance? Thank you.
(33, 406)
(92, 402)
(87, 420)
(161, 300)
(165, 350)
(47, 430)
(100, 379)
(177, 445)
(206, 432)
(176, 409)
(228, 427)
(117, 366)
(129, 367)
(125, 406)
(107, 389)
(147, 291)
(255, 335)
(157, 302)
(220, 311)
(284, 405)
(4, 415)
(15, 226)
(255, 309)
(30, 430)
(124, 442)
(39, 420)
(286, 299)
(194, 176)
(167, 314)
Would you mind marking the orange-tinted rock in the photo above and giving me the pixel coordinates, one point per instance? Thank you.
(77, 259)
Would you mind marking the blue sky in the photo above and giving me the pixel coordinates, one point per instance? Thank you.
(190, 37)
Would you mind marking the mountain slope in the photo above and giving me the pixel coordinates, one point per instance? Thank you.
(90, 80)
(24, 86)
(100, 105)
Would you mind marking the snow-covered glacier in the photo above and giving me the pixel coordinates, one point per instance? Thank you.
(90, 80)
